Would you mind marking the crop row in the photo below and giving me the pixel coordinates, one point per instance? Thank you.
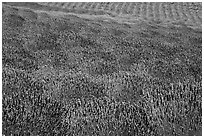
(145, 10)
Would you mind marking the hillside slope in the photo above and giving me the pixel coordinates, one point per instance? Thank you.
(76, 74)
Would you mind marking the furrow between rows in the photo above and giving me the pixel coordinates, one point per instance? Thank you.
(113, 7)
(199, 16)
(88, 5)
(51, 4)
(156, 9)
(107, 6)
(182, 12)
(119, 7)
(100, 6)
(175, 11)
(168, 12)
(188, 13)
(81, 5)
(193, 15)
(58, 4)
(66, 5)
(125, 8)
(131, 8)
(74, 5)
(94, 5)
(137, 10)
(162, 11)
(150, 11)
(144, 10)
